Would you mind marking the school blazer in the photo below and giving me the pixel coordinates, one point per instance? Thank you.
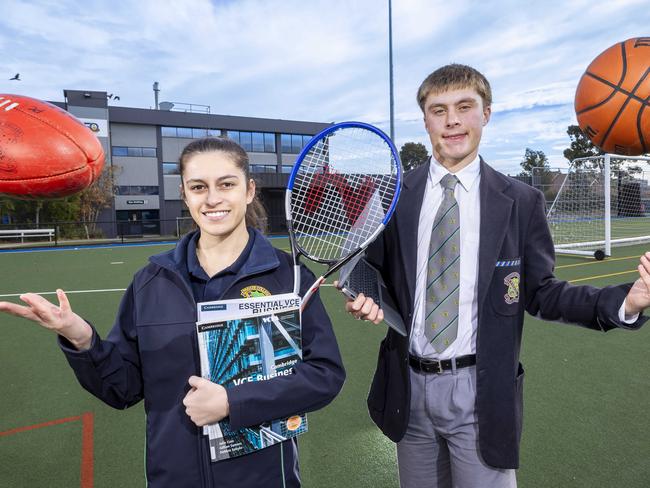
(515, 274)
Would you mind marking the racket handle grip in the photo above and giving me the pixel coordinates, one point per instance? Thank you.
(296, 279)
(314, 288)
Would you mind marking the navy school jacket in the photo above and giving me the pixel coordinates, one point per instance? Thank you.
(152, 350)
(515, 242)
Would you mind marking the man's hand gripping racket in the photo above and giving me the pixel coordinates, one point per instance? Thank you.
(341, 194)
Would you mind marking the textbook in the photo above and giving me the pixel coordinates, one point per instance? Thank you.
(248, 340)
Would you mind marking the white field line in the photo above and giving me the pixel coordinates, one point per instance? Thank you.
(67, 292)
(106, 290)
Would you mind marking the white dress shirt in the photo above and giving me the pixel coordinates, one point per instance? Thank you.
(469, 205)
(467, 195)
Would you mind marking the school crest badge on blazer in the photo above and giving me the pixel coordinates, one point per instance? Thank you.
(255, 291)
(512, 283)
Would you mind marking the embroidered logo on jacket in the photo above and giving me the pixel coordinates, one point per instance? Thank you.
(255, 291)
(512, 282)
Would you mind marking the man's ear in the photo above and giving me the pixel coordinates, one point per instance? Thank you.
(487, 112)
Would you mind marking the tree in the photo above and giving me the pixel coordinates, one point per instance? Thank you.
(536, 172)
(533, 159)
(581, 146)
(413, 154)
(95, 198)
(40, 212)
(7, 209)
(19, 210)
(84, 206)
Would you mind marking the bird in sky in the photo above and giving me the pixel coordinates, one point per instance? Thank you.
(116, 97)
(16, 77)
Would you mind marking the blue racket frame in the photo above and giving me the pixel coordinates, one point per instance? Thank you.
(295, 247)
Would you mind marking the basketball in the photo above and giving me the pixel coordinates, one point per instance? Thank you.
(613, 98)
(44, 151)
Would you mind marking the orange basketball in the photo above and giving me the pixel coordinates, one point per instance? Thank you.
(613, 98)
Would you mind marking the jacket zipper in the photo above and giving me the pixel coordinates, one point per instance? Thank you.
(205, 461)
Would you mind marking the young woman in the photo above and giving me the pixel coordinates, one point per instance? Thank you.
(151, 353)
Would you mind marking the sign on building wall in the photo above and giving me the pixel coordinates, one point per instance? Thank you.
(98, 126)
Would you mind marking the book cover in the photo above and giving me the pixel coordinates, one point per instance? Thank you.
(250, 340)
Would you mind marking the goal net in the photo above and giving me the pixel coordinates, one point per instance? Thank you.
(597, 203)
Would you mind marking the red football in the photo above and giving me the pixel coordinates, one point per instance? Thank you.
(44, 151)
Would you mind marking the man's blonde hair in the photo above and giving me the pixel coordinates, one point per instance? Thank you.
(453, 77)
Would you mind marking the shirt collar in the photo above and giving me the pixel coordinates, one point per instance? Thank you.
(466, 176)
(194, 266)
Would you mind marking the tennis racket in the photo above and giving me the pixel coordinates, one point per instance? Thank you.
(341, 194)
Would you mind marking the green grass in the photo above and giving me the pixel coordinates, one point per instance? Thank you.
(568, 229)
(586, 394)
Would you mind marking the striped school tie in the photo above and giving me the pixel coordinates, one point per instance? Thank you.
(443, 271)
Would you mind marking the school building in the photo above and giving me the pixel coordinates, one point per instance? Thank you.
(144, 146)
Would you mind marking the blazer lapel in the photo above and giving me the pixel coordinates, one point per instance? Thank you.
(495, 217)
(407, 222)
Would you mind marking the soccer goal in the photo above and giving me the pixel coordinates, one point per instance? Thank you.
(597, 203)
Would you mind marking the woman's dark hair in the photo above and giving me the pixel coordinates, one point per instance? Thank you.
(255, 212)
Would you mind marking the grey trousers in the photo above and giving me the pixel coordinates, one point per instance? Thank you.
(440, 448)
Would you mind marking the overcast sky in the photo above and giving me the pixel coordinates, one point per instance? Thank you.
(322, 60)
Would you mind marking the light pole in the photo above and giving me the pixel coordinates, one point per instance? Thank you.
(156, 90)
(390, 70)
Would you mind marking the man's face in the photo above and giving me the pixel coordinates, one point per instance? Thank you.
(454, 121)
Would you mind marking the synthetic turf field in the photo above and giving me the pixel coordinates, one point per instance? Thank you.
(571, 230)
(587, 394)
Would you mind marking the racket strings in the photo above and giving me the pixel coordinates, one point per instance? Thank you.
(341, 193)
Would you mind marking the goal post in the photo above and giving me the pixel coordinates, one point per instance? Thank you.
(597, 203)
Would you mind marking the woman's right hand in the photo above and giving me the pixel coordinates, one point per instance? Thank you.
(61, 319)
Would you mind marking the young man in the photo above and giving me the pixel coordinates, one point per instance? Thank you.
(463, 269)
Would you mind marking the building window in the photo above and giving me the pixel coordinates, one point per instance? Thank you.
(258, 141)
(285, 143)
(171, 169)
(254, 141)
(287, 168)
(189, 132)
(185, 132)
(296, 143)
(138, 222)
(269, 142)
(136, 190)
(263, 168)
(135, 152)
(293, 143)
(245, 141)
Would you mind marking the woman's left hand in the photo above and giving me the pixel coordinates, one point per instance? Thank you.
(207, 402)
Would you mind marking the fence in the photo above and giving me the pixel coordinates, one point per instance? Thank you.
(79, 233)
(47, 234)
